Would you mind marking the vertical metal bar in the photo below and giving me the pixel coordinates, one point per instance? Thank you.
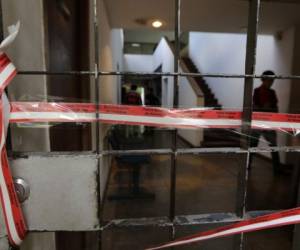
(97, 102)
(253, 20)
(175, 104)
(296, 234)
(247, 105)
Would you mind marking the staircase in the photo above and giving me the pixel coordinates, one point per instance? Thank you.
(212, 137)
(209, 98)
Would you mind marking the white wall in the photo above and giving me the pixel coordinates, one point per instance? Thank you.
(218, 52)
(117, 44)
(225, 53)
(138, 63)
(163, 55)
(278, 56)
(188, 99)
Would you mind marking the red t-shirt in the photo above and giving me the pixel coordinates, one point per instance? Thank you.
(133, 98)
(265, 99)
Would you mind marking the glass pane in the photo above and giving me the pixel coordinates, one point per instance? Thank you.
(47, 136)
(277, 239)
(138, 187)
(207, 183)
(226, 243)
(139, 238)
(266, 179)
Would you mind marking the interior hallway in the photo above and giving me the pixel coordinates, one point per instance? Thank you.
(205, 184)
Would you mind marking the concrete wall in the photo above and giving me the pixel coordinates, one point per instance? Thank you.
(28, 53)
(4, 243)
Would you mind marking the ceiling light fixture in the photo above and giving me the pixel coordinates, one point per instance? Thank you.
(136, 45)
(157, 24)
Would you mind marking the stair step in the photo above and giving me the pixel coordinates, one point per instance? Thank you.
(210, 100)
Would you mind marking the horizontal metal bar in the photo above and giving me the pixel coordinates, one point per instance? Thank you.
(138, 152)
(42, 72)
(138, 222)
(184, 151)
(225, 150)
(141, 74)
(206, 219)
(275, 149)
(183, 220)
(16, 154)
(164, 151)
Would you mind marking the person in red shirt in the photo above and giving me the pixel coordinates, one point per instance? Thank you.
(265, 100)
(132, 97)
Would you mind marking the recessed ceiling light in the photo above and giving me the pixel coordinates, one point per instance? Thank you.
(157, 24)
(135, 45)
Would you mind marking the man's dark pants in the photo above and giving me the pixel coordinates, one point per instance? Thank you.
(271, 137)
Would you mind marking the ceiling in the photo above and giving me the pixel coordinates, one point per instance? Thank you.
(203, 15)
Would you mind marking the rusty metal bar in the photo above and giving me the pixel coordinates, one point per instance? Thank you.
(185, 151)
(253, 19)
(247, 105)
(142, 74)
(163, 151)
(97, 102)
(175, 104)
(183, 220)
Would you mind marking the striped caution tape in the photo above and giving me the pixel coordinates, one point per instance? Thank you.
(13, 216)
(287, 217)
(148, 116)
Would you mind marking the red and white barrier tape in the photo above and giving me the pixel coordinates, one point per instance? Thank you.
(278, 219)
(148, 116)
(13, 216)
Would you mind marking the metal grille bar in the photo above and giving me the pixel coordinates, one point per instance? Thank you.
(181, 74)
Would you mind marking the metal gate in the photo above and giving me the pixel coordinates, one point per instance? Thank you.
(78, 192)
